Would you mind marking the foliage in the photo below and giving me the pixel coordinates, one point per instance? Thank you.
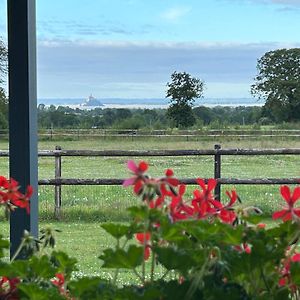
(182, 91)
(3, 99)
(3, 60)
(212, 249)
(149, 119)
(278, 82)
(3, 110)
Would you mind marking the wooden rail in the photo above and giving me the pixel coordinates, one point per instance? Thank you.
(183, 134)
(217, 153)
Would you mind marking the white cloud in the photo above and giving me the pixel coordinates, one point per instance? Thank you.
(175, 13)
(133, 69)
(285, 4)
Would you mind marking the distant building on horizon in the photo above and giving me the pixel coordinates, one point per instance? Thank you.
(91, 101)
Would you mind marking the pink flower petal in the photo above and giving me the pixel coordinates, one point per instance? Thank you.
(132, 166)
(129, 181)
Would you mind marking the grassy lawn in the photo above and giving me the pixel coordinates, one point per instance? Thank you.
(84, 207)
(85, 241)
(102, 203)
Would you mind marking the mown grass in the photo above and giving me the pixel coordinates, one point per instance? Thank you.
(84, 207)
(102, 203)
(85, 241)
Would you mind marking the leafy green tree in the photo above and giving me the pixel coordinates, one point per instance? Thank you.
(278, 82)
(3, 99)
(204, 113)
(3, 61)
(182, 92)
(3, 110)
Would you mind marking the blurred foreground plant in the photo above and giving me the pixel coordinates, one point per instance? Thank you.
(178, 247)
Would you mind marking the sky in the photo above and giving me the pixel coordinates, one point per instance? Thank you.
(129, 48)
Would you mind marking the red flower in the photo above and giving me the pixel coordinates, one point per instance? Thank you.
(137, 180)
(179, 210)
(244, 247)
(24, 200)
(296, 257)
(261, 225)
(288, 212)
(285, 272)
(59, 281)
(8, 288)
(157, 202)
(204, 202)
(226, 213)
(10, 190)
(144, 238)
(169, 179)
(169, 172)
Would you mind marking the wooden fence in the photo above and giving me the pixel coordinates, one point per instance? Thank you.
(217, 153)
(55, 134)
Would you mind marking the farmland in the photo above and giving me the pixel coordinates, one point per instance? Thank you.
(84, 207)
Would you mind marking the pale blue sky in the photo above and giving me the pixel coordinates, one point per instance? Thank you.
(129, 48)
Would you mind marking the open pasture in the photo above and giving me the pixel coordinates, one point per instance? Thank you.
(102, 203)
(84, 207)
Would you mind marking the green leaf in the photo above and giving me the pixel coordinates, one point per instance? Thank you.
(126, 259)
(42, 267)
(173, 259)
(4, 244)
(33, 291)
(64, 263)
(255, 219)
(116, 230)
(295, 271)
(139, 212)
(88, 287)
(233, 236)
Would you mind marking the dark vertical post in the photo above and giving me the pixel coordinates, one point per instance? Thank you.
(22, 113)
(217, 172)
(57, 211)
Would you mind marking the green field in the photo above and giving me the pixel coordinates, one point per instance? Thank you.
(84, 207)
(102, 203)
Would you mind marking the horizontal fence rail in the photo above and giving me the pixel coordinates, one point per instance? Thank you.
(54, 153)
(217, 153)
(53, 133)
(188, 181)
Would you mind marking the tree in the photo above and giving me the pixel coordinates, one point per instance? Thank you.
(3, 99)
(3, 61)
(3, 110)
(278, 82)
(182, 91)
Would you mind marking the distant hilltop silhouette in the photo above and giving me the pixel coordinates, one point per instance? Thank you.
(91, 101)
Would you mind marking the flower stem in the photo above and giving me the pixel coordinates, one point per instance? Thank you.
(18, 251)
(152, 266)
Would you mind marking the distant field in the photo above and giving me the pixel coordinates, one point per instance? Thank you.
(84, 207)
(101, 203)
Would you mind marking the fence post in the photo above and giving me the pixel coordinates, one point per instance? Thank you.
(57, 211)
(217, 171)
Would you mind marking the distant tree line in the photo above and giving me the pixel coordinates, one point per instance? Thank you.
(150, 119)
(277, 82)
